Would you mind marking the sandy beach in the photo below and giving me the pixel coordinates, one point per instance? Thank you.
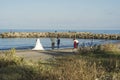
(43, 55)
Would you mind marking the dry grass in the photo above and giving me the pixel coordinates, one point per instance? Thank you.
(78, 67)
(87, 68)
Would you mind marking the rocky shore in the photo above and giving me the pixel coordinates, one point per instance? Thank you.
(82, 35)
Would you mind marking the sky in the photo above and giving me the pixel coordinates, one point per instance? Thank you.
(60, 14)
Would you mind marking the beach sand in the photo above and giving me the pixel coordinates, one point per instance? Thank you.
(46, 54)
(43, 55)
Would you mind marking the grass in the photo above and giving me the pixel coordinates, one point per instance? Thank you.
(96, 63)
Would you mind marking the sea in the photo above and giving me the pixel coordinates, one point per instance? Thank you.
(29, 43)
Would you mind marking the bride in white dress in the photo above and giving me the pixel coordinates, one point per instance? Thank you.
(38, 45)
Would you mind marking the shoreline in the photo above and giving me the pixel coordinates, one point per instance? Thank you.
(116, 42)
(46, 55)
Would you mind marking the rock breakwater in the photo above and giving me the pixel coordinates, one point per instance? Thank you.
(82, 35)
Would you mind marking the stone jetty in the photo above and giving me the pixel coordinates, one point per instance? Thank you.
(81, 35)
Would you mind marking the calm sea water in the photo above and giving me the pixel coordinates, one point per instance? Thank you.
(29, 43)
(37, 30)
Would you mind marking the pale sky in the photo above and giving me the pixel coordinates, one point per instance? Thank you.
(60, 14)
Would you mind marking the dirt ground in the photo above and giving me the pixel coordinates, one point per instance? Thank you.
(44, 55)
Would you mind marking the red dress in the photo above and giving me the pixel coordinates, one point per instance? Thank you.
(75, 44)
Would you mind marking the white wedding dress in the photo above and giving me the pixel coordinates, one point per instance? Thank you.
(38, 45)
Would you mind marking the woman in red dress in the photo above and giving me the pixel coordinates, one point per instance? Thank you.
(75, 44)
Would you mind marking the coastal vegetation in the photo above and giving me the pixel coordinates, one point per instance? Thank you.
(100, 62)
(82, 35)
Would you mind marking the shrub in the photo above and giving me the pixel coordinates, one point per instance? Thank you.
(103, 48)
(10, 59)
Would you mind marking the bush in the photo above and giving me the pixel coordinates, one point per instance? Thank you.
(99, 49)
(13, 67)
(10, 59)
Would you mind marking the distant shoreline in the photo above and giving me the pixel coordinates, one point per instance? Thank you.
(63, 30)
(80, 35)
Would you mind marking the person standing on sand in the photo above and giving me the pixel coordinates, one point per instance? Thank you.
(52, 43)
(74, 44)
(58, 42)
(77, 43)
